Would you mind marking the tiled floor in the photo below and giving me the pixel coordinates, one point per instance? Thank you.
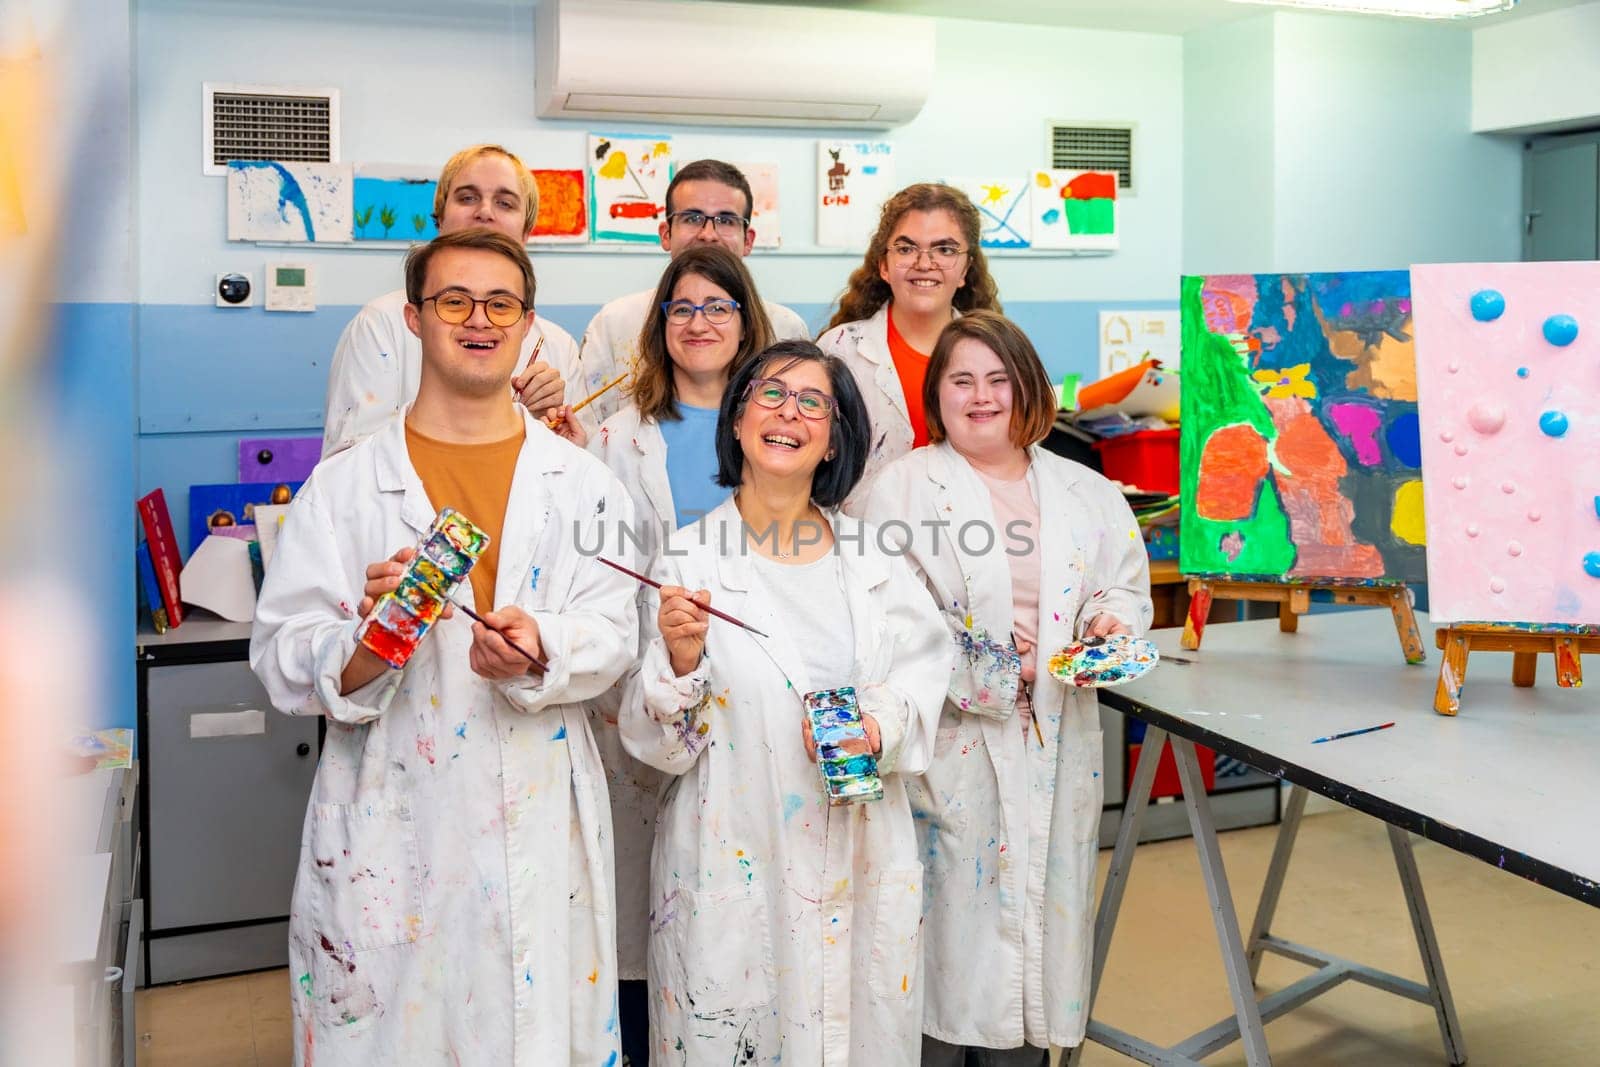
(1523, 962)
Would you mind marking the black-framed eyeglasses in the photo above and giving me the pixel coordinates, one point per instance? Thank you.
(718, 311)
(725, 223)
(771, 393)
(943, 254)
(455, 307)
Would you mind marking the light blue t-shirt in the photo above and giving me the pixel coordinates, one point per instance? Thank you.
(692, 462)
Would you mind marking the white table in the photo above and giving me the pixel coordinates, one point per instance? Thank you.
(1511, 781)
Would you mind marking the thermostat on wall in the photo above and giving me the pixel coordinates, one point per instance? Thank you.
(289, 287)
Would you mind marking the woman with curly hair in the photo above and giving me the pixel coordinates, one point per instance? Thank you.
(922, 269)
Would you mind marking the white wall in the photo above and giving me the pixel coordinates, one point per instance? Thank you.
(1540, 73)
(1327, 142)
(1377, 164)
(1230, 151)
(417, 85)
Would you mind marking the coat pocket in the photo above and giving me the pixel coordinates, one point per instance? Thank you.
(718, 949)
(366, 889)
(896, 933)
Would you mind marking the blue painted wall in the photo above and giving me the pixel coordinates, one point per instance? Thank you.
(206, 380)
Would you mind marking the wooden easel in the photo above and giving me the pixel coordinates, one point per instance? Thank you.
(1524, 643)
(1294, 600)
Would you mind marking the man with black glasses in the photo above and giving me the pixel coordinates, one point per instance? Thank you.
(708, 201)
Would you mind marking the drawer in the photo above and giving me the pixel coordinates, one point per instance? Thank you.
(225, 808)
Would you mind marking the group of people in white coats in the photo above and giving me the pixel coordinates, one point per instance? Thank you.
(629, 855)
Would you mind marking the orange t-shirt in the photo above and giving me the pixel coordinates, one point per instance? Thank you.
(476, 481)
(912, 367)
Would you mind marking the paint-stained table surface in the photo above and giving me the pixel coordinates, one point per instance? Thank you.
(1512, 780)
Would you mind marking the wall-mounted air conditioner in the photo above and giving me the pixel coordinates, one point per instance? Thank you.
(730, 64)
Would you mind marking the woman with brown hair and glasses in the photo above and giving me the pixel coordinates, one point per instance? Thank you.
(1024, 552)
(783, 927)
(922, 268)
(706, 320)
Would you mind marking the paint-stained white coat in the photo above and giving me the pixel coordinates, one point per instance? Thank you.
(783, 929)
(636, 453)
(378, 363)
(611, 344)
(453, 902)
(1008, 824)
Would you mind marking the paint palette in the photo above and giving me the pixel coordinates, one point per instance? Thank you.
(1102, 662)
(844, 755)
(401, 619)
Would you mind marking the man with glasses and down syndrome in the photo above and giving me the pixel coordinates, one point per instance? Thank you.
(454, 897)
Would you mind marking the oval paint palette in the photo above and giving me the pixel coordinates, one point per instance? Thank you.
(1102, 662)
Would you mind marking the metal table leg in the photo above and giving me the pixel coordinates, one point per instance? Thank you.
(1240, 986)
(1279, 866)
(1444, 1006)
(1105, 920)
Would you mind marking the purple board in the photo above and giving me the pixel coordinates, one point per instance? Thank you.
(278, 459)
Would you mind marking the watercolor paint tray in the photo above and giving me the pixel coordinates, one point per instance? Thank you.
(1103, 662)
(401, 619)
(844, 757)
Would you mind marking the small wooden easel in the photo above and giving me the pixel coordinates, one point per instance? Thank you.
(1294, 600)
(1525, 643)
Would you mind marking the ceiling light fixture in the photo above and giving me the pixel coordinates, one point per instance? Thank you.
(1419, 9)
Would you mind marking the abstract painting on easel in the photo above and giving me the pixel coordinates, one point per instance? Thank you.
(1508, 371)
(1300, 458)
(628, 178)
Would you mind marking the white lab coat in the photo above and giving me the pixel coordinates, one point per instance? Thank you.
(611, 344)
(378, 362)
(864, 347)
(453, 902)
(1009, 825)
(782, 928)
(635, 452)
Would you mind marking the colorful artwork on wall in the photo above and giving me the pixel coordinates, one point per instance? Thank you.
(764, 218)
(563, 207)
(854, 178)
(301, 202)
(1073, 209)
(1508, 377)
(1300, 456)
(393, 203)
(628, 178)
(1003, 210)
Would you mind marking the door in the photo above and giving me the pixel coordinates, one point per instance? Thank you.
(1561, 195)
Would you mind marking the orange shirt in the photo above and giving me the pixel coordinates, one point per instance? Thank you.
(912, 367)
(476, 481)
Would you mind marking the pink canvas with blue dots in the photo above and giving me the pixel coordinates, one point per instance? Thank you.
(1508, 392)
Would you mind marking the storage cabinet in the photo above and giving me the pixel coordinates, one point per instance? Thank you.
(225, 787)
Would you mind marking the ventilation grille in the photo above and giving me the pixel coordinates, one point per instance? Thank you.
(1094, 148)
(249, 122)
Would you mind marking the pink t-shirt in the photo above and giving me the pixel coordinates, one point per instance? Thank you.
(1013, 503)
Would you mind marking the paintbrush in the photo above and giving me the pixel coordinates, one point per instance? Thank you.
(1353, 733)
(1024, 686)
(538, 346)
(590, 399)
(707, 608)
(529, 656)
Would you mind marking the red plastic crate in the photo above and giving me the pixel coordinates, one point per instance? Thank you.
(1167, 783)
(1147, 459)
